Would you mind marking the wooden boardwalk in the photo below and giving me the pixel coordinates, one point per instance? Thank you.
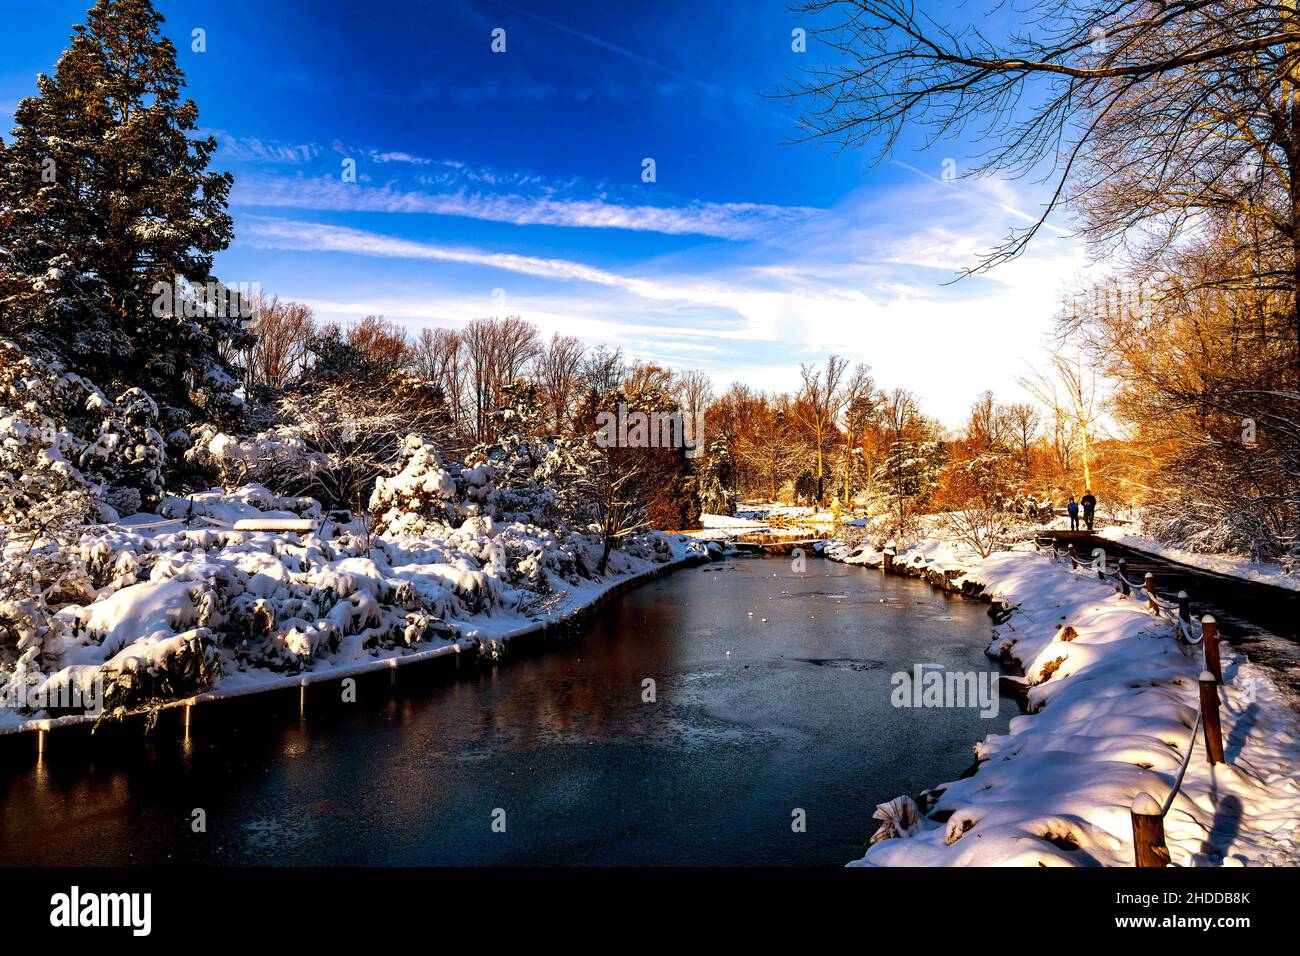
(1262, 619)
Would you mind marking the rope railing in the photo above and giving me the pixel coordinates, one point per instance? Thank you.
(1149, 848)
(1182, 770)
(1177, 613)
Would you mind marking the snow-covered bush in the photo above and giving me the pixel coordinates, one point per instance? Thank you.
(65, 446)
(128, 453)
(1197, 508)
(162, 603)
(277, 457)
(419, 497)
(526, 474)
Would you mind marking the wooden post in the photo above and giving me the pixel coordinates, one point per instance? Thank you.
(302, 700)
(1149, 585)
(1184, 607)
(887, 557)
(1210, 718)
(1123, 581)
(1148, 832)
(40, 744)
(1210, 632)
(1069, 549)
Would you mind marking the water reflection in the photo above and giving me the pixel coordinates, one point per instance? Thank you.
(751, 719)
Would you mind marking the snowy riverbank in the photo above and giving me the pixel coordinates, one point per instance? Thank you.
(184, 607)
(1112, 704)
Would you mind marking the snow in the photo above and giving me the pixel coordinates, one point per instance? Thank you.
(1235, 566)
(771, 521)
(201, 587)
(727, 521)
(1112, 706)
(275, 524)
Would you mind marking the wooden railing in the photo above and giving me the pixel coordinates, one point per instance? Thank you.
(1147, 813)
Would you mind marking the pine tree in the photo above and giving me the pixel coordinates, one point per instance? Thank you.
(532, 472)
(714, 479)
(103, 195)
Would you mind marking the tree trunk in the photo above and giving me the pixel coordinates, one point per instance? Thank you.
(821, 471)
(1291, 91)
(1087, 460)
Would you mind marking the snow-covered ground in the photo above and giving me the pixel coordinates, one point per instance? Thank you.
(774, 520)
(187, 606)
(1112, 709)
(731, 523)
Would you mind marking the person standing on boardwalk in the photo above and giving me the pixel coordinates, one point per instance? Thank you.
(1089, 507)
(1073, 509)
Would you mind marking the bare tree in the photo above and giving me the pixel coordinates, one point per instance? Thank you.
(438, 356)
(647, 378)
(695, 394)
(558, 369)
(1068, 388)
(821, 401)
(763, 442)
(496, 353)
(283, 333)
(382, 345)
(617, 478)
(1144, 113)
(602, 369)
(1024, 422)
(988, 428)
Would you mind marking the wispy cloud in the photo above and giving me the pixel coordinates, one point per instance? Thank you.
(988, 184)
(681, 76)
(736, 221)
(253, 149)
(750, 323)
(397, 156)
(306, 236)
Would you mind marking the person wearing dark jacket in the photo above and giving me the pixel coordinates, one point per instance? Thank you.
(1089, 507)
(1073, 509)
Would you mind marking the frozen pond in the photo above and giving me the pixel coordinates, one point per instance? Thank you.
(752, 721)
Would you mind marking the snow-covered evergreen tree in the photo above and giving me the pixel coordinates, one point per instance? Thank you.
(66, 449)
(419, 498)
(713, 480)
(105, 201)
(909, 472)
(530, 470)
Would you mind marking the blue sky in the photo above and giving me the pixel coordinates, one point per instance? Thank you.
(511, 183)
